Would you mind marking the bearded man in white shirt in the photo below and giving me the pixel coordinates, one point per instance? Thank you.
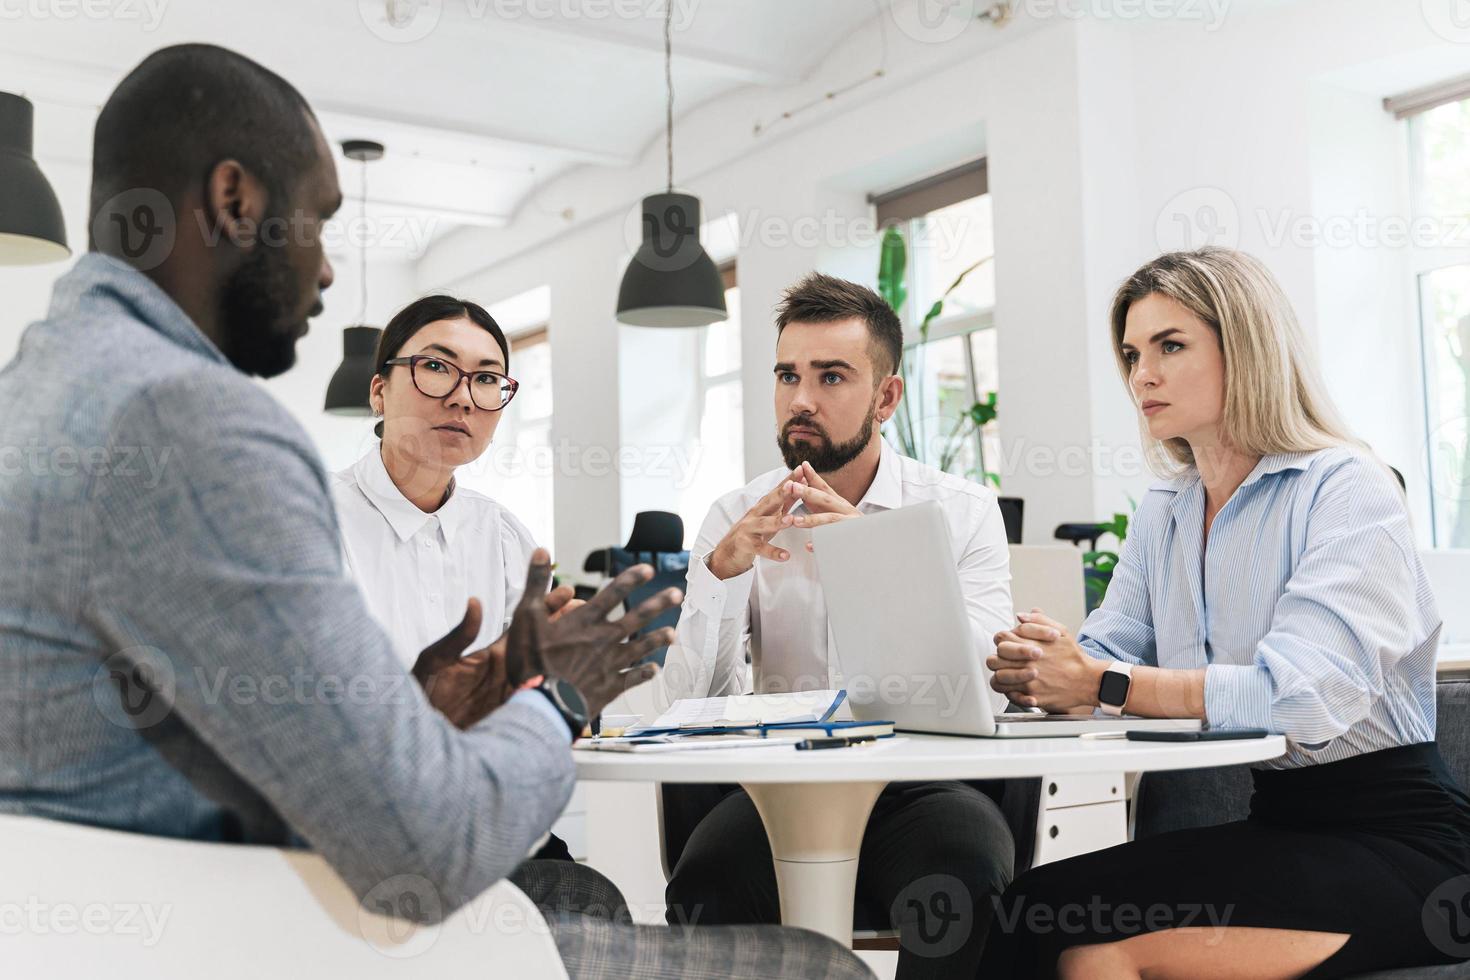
(934, 854)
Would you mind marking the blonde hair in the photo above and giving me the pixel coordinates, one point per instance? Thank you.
(1274, 398)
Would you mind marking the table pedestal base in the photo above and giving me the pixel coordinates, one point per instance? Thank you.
(816, 831)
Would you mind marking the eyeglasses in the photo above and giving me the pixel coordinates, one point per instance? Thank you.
(437, 378)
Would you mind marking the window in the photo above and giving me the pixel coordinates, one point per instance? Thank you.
(517, 469)
(719, 451)
(1439, 139)
(947, 226)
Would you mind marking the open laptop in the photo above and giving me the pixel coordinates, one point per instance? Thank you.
(904, 642)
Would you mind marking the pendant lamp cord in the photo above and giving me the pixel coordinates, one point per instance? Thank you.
(669, 84)
(362, 250)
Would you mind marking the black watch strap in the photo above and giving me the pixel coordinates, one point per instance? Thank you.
(568, 702)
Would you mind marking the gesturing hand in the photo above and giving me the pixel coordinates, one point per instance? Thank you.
(582, 646)
(751, 535)
(466, 689)
(463, 689)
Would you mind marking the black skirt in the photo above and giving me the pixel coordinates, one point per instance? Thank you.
(1376, 846)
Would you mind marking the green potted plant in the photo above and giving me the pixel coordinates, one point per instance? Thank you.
(908, 432)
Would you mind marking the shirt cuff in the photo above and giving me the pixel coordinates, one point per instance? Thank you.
(543, 704)
(1238, 696)
(715, 597)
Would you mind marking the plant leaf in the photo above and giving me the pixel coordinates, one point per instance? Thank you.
(892, 263)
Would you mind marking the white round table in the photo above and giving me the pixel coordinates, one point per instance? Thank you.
(815, 804)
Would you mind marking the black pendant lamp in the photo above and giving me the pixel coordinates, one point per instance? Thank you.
(347, 393)
(31, 229)
(672, 281)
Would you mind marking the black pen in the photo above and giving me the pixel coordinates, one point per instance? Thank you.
(840, 742)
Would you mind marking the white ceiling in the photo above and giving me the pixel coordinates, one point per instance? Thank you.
(478, 101)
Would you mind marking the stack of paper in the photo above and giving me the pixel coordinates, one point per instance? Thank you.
(746, 711)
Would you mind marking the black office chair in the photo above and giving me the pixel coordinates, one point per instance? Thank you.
(1012, 510)
(658, 540)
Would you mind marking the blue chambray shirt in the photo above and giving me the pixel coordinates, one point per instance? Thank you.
(1309, 609)
(180, 652)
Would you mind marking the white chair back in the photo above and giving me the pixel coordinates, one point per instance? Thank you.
(79, 901)
(1049, 577)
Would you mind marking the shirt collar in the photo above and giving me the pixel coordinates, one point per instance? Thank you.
(1278, 463)
(1268, 465)
(886, 490)
(401, 513)
(100, 285)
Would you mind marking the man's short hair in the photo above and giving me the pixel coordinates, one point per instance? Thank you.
(821, 298)
(190, 106)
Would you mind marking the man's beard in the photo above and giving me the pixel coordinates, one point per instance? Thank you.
(824, 455)
(256, 334)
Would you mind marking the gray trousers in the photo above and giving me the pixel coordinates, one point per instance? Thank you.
(596, 938)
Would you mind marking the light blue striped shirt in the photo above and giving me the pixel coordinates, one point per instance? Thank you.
(1309, 609)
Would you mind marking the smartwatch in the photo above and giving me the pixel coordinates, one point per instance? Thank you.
(567, 701)
(1112, 691)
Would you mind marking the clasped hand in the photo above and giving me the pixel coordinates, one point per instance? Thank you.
(1038, 664)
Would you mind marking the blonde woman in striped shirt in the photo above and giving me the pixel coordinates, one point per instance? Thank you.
(1269, 581)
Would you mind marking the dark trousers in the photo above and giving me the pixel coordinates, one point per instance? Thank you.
(933, 857)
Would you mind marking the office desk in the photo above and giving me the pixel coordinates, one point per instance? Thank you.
(815, 804)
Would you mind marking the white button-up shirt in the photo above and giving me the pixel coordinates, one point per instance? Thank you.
(777, 610)
(417, 570)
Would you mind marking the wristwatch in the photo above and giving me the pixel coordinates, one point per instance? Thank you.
(567, 701)
(1112, 691)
